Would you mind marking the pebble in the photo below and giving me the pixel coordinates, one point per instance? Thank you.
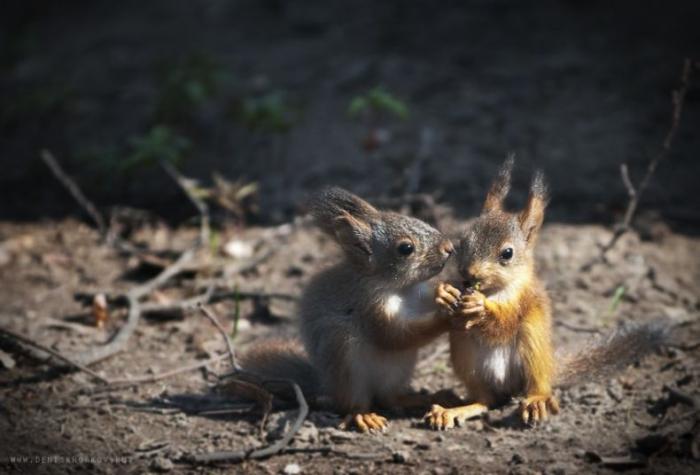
(401, 456)
(162, 465)
(292, 469)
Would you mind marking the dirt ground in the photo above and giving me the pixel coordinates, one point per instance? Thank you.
(573, 88)
(630, 422)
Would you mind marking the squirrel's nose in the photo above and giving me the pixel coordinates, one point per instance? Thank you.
(447, 248)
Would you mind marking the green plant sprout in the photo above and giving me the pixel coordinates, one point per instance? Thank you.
(377, 101)
(267, 113)
(186, 85)
(160, 143)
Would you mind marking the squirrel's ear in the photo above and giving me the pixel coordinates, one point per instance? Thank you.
(532, 216)
(346, 217)
(500, 187)
(330, 204)
(354, 236)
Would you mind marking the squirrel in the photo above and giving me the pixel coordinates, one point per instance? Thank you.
(363, 320)
(505, 347)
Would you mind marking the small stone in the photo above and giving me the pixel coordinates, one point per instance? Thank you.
(401, 456)
(517, 459)
(291, 469)
(162, 465)
(423, 446)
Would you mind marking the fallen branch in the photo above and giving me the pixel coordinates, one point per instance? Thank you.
(185, 184)
(188, 303)
(75, 191)
(635, 193)
(152, 378)
(577, 329)
(275, 448)
(133, 297)
(229, 344)
(70, 362)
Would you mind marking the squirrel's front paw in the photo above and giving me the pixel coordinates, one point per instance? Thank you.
(470, 311)
(447, 297)
(535, 409)
(369, 422)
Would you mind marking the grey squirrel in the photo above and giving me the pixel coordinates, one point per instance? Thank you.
(363, 320)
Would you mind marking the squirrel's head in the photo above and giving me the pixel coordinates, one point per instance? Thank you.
(398, 250)
(497, 250)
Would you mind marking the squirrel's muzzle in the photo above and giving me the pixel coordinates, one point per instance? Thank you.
(446, 248)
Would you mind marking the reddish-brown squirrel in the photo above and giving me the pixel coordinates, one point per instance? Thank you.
(505, 347)
(363, 320)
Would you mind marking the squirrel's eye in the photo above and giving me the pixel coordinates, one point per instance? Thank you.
(507, 253)
(405, 248)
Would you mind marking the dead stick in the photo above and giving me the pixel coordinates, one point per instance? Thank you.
(152, 378)
(198, 203)
(120, 339)
(278, 447)
(75, 364)
(74, 190)
(229, 344)
(635, 194)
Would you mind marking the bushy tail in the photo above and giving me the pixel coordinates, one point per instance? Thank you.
(283, 359)
(616, 351)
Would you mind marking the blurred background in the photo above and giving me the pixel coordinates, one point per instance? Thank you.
(262, 101)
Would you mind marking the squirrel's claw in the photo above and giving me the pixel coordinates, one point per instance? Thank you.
(442, 418)
(536, 409)
(369, 422)
(446, 296)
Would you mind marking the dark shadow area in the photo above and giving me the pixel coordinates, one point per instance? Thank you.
(260, 92)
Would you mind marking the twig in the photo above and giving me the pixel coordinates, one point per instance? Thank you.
(75, 191)
(577, 329)
(188, 303)
(75, 364)
(118, 342)
(635, 193)
(184, 184)
(229, 344)
(152, 378)
(680, 396)
(273, 449)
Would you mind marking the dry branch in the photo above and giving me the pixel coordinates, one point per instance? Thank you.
(275, 448)
(75, 191)
(152, 378)
(229, 344)
(185, 185)
(70, 362)
(133, 296)
(635, 193)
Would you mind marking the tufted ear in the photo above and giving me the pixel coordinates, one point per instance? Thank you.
(532, 216)
(499, 188)
(354, 236)
(347, 218)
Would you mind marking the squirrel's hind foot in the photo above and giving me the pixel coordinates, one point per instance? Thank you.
(368, 422)
(536, 409)
(442, 418)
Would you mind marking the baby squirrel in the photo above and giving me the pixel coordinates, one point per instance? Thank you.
(363, 320)
(505, 347)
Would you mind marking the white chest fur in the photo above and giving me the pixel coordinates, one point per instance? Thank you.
(501, 365)
(497, 362)
(410, 303)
